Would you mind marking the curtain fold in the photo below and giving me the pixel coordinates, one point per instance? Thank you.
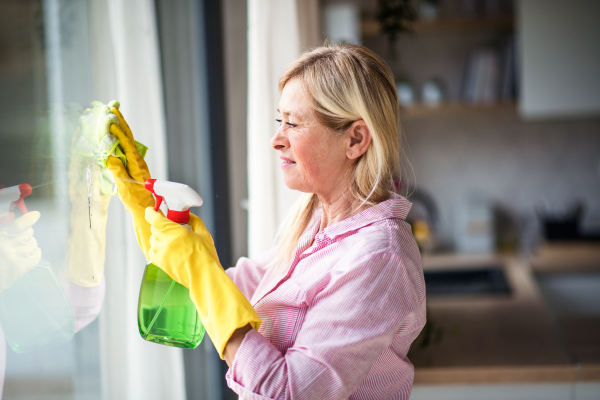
(273, 43)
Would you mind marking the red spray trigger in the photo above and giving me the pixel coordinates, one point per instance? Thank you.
(25, 190)
(149, 185)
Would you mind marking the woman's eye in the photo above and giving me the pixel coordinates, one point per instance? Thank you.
(290, 124)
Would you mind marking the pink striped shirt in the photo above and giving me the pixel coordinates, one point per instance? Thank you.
(339, 321)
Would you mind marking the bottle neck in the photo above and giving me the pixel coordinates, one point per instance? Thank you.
(181, 217)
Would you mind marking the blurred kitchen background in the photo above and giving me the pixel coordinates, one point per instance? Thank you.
(500, 116)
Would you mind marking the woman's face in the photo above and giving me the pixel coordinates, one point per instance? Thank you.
(313, 159)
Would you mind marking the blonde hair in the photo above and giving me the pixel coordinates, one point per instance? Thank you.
(345, 83)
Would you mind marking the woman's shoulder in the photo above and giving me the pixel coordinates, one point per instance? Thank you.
(391, 236)
(380, 228)
(378, 235)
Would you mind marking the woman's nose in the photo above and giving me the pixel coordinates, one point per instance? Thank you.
(279, 140)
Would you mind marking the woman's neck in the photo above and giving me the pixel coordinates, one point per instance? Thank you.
(338, 209)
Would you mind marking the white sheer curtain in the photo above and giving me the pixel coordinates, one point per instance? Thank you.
(126, 67)
(277, 32)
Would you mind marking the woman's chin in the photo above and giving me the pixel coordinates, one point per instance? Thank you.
(293, 184)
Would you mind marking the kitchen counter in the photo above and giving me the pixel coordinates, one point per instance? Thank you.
(510, 338)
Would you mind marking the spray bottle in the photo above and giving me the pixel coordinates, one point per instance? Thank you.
(9, 199)
(166, 313)
(35, 312)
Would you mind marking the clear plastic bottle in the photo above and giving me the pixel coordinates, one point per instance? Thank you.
(35, 312)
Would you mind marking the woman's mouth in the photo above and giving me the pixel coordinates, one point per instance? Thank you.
(286, 162)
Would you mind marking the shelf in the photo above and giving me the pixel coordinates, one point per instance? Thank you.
(419, 111)
(370, 27)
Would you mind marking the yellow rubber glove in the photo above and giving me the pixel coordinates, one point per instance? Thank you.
(19, 251)
(90, 194)
(133, 195)
(190, 258)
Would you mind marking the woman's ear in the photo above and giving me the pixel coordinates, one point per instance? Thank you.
(360, 139)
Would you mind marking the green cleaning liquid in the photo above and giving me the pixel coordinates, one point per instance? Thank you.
(166, 313)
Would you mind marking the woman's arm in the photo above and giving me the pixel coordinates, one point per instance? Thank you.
(247, 274)
(347, 326)
(234, 343)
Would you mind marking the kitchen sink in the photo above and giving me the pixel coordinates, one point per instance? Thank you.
(473, 281)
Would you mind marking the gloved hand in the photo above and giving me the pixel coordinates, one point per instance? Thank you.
(90, 186)
(133, 195)
(190, 258)
(19, 251)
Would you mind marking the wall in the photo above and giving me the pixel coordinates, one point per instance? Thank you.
(522, 165)
(561, 57)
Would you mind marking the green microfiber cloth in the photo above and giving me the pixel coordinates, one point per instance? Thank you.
(96, 141)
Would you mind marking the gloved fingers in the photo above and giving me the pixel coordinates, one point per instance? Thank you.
(29, 258)
(127, 143)
(28, 247)
(34, 256)
(136, 166)
(153, 248)
(153, 242)
(120, 173)
(196, 223)
(156, 246)
(122, 123)
(164, 233)
(22, 238)
(155, 251)
(151, 255)
(117, 169)
(205, 236)
(158, 221)
(22, 223)
(154, 232)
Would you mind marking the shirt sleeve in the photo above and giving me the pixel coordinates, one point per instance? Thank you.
(86, 302)
(347, 326)
(248, 273)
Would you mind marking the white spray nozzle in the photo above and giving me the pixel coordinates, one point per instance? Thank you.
(13, 195)
(179, 198)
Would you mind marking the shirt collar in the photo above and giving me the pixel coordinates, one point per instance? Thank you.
(395, 207)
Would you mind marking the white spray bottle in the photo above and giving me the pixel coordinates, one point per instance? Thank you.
(35, 312)
(166, 313)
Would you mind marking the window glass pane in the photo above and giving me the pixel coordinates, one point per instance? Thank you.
(50, 340)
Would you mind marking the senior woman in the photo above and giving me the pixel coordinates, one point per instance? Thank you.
(331, 312)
